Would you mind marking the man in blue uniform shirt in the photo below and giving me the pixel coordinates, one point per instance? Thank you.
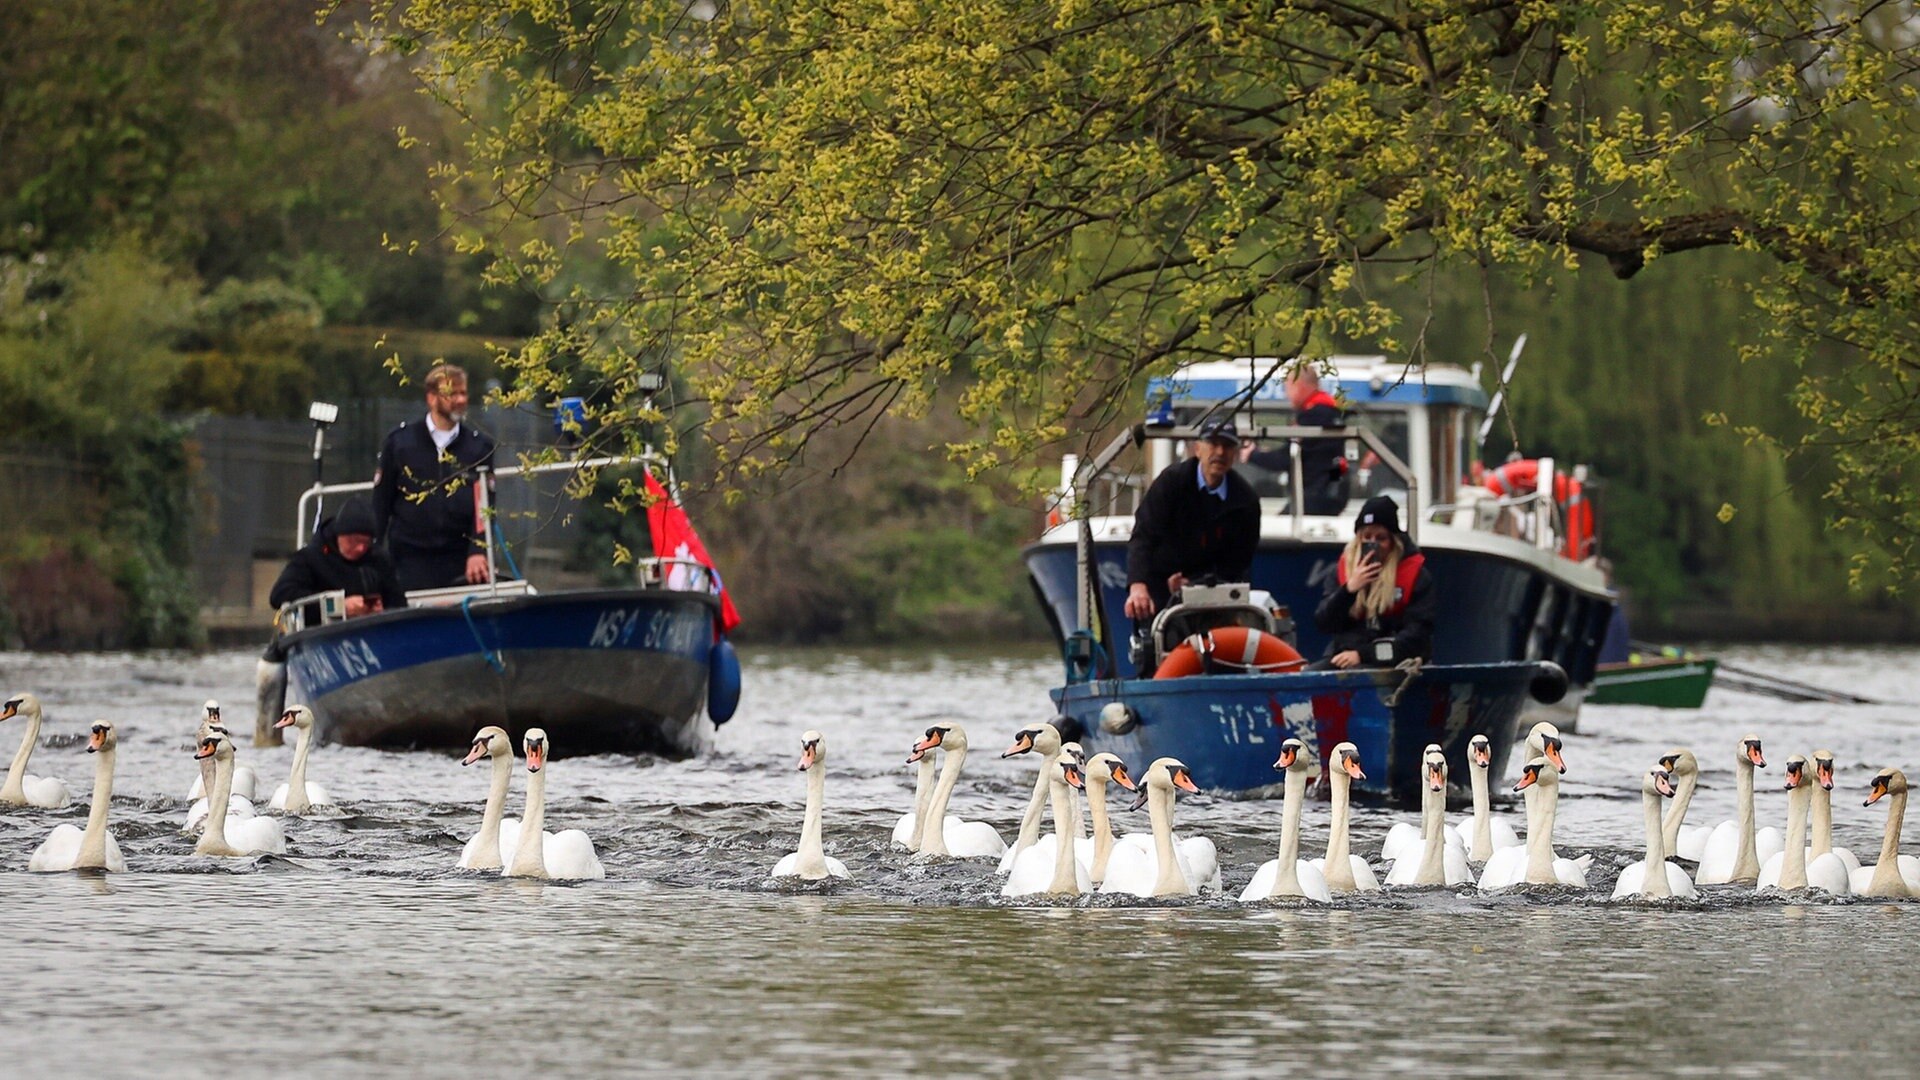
(426, 492)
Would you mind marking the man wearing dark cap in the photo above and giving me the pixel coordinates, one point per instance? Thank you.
(341, 555)
(1381, 605)
(1199, 518)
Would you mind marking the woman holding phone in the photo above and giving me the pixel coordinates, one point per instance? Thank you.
(1380, 609)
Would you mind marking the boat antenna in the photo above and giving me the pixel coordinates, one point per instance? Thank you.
(1500, 391)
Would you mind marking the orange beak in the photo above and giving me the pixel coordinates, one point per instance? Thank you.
(205, 751)
(1754, 755)
(536, 757)
(10, 713)
(806, 757)
(1352, 765)
(1823, 772)
(286, 719)
(1482, 755)
(1436, 780)
(96, 742)
(1553, 755)
(1184, 782)
(1119, 773)
(1664, 785)
(1022, 743)
(1527, 780)
(1879, 789)
(1075, 777)
(1287, 756)
(479, 751)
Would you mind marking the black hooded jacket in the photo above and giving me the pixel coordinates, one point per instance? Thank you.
(1181, 529)
(319, 567)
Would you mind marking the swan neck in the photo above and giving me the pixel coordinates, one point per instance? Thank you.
(1793, 872)
(15, 789)
(1540, 815)
(530, 858)
(922, 798)
(1339, 871)
(1655, 883)
(932, 826)
(1746, 867)
(1433, 826)
(1287, 882)
(487, 855)
(1677, 813)
(214, 839)
(1102, 827)
(1482, 848)
(1822, 839)
(1890, 839)
(297, 779)
(1030, 822)
(1065, 882)
(813, 853)
(1160, 812)
(93, 844)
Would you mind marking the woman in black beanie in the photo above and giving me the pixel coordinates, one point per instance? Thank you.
(1382, 590)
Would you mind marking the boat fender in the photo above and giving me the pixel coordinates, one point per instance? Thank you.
(1069, 727)
(723, 681)
(1117, 719)
(1549, 682)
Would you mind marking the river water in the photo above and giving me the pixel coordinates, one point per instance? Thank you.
(364, 950)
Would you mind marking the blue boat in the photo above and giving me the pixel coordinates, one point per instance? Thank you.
(623, 670)
(1516, 584)
(1228, 728)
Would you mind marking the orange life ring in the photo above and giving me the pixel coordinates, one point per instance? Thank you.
(1234, 648)
(1523, 477)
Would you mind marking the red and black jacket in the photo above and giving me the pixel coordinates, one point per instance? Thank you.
(1409, 622)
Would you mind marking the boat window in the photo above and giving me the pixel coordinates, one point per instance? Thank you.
(1444, 450)
(1391, 426)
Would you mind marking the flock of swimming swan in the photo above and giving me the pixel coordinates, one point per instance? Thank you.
(1161, 863)
(1068, 861)
(228, 825)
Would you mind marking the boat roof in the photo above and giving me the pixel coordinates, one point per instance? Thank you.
(1362, 380)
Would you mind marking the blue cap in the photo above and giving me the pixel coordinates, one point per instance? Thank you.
(1220, 429)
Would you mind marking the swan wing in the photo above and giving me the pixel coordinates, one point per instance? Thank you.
(1632, 881)
(1847, 857)
(198, 790)
(1770, 871)
(1718, 854)
(1679, 883)
(1400, 840)
(1910, 870)
(570, 856)
(788, 866)
(1504, 836)
(1828, 872)
(1202, 863)
(1032, 870)
(1767, 841)
(1454, 866)
(903, 829)
(1261, 887)
(317, 795)
(835, 868)
(1504, 869)
(46, 792)
(974, 840)
(1691, 844)
(116, 862)
(257, 835)
(1363, 879)
(279, 800)
(1313, 882)
(1130, 871)
(1571, 872)
(59, 851)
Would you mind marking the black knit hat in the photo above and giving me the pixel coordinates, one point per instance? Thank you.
(1379, 510)
(355, 516)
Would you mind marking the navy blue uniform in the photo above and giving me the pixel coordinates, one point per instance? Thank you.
(425, 505)
(1180, 528)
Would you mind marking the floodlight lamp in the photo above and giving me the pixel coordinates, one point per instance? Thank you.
(652, 382)
(322, 413)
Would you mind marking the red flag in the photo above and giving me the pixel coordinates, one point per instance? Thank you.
(674, 538)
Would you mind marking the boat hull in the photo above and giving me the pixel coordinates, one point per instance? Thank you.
(1663, 684)
(605, 671)
(1491, 609)
(1228, 728)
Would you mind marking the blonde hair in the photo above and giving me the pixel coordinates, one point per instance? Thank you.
(1378, 596)
(444, 375)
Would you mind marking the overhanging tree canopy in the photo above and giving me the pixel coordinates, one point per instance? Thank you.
(820, 212)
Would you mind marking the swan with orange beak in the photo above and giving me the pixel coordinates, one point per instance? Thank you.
(1171, 869)
(811, 862)
(1345, 872)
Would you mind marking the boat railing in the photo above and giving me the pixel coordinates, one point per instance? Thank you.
(317, 610)
(304, 522)
(679, 575)
(1528, 516)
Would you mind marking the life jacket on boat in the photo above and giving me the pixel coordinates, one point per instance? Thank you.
(1403, 581)
(1230, 649)
(1523, 477)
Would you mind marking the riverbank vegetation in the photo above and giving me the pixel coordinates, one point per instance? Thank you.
(953, 246)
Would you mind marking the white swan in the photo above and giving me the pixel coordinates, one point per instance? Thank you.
(1670, 881)
(238, 806)
(1789, 869)
(1344, 871)
(246, 783)
(1289, 875)
(1732, 854)
(67, 848)
(811, 862)
(20, 789)
(494, 844)
(1536, 863)
(1435, 861)
(1167, 871)
(955, 838)
(1483, 834)
(1683, 841)
(299, 795)
(1043, 739)
(1894, 875)
(906, 831)
(1820, 847)
(1052, 869)
(225, 837)
(563, 856)
(1408, 840)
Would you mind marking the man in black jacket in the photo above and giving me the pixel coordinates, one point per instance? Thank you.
(426, 491)
(1199, 518)
(341, 555)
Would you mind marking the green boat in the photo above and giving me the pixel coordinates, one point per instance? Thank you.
(1662, 682)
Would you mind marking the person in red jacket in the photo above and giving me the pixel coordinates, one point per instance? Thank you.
(1382, 590)
(1323, 468)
